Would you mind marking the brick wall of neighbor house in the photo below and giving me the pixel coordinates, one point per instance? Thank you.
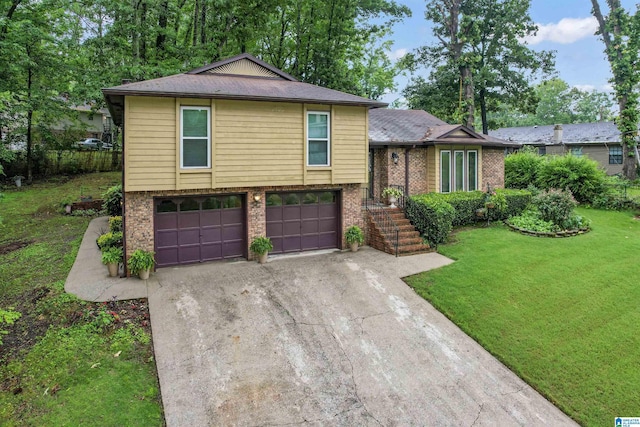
(492, 168)
(139, 211)
(418, 183)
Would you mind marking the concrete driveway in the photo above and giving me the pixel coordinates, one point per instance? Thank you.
(331, 339)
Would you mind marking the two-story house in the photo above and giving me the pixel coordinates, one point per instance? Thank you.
(237, 149)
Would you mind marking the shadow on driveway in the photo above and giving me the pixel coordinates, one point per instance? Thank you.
(331, 339)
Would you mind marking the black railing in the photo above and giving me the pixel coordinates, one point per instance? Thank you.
(381, 217)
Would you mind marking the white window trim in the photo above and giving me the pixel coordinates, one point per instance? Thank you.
(476, 168)
(441, 168)
(195, 107)
(327, 139)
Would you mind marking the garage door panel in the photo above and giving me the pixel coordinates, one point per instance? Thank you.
(189, 254)
(327, 224)
(291, 228)
(327, 240)
(277, 244)
(166, 221)
(210, 218)
(291, 212)
(291, 244)
(197, 229)
(211, 235)
(327, 211)
(211, 251)
(274, 213)
(167, 256)
(310, 227)
(310, 211)
(309, 242)
(189, 219)
(274, 229)
(167, 238)
(189, 237)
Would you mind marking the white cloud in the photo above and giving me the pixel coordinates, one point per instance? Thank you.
(566, 31)
(585, 88)
(397, 54)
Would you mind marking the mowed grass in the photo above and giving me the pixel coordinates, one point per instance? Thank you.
(563, 314)
(65, 361)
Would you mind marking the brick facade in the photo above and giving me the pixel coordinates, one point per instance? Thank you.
(139, 207)
(492, 168)
(386, 172)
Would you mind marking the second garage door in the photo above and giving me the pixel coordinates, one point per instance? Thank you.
(303, 221)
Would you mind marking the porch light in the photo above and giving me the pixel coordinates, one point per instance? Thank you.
(395, 158)
(256, 198)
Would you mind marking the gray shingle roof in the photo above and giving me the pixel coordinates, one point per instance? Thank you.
(388, 127)
(578, 133)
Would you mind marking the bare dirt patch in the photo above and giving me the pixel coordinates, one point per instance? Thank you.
(14, 246)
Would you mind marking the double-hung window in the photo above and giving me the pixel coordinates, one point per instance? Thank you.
(195, 137)
(458, 170)
(318, 139)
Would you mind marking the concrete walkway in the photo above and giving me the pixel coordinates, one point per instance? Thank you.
(89, 279)
(330, 339)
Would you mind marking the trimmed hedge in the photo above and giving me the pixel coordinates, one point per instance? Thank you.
(109, 240)
(435, 214)
(432, 217)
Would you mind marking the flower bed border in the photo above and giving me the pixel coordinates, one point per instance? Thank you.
(563, 233)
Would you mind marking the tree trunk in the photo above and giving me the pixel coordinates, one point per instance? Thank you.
(29, 125)
(467, 96)
(162, 28)
(483, 112)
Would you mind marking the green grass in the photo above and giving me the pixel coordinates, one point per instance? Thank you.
(63, 369)
(561, 313)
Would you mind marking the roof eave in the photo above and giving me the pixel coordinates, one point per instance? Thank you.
(364, 103)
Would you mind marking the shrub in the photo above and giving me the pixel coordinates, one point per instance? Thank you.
(522, 168)
(465, 204)
(580, 175)
(517, 201)
(432, 216)
(531, 220)
(115, 224)
(110, 240)
(555, 206)
(112, 200)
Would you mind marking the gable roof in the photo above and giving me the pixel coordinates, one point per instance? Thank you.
(412, 127)
(577, 133)
(220, 80)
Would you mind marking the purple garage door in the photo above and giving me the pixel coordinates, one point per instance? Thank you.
(303, 221)
(198, 229)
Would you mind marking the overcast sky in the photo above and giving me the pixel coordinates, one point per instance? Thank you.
(565, 26)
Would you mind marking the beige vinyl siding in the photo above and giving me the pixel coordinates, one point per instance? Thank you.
(252, 144)
(150, 146)
(349, 145)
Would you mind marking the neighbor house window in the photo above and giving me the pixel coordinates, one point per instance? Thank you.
(576, 151)
(318, 139)
(458, 170)
(195, 137)
(542, 151)
(615, 155)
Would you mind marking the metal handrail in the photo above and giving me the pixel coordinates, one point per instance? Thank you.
(386, 224)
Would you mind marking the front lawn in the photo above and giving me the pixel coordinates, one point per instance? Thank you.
(66, 361)
(563, 314)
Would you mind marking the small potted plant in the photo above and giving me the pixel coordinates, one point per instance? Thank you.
(354, 237)
(67, 205)
(112, 257)
(393, 194)
(261, 246)
(141, 262)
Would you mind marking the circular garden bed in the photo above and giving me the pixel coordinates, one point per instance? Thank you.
(562, 233)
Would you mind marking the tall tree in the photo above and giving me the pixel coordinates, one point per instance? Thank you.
(620, 32)
(482, 40)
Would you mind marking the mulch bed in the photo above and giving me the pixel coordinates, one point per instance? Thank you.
(563, 233)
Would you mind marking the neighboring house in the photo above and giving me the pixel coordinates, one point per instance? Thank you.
(600, 141)
(237, 149)
(422, 153)
(97, 123)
